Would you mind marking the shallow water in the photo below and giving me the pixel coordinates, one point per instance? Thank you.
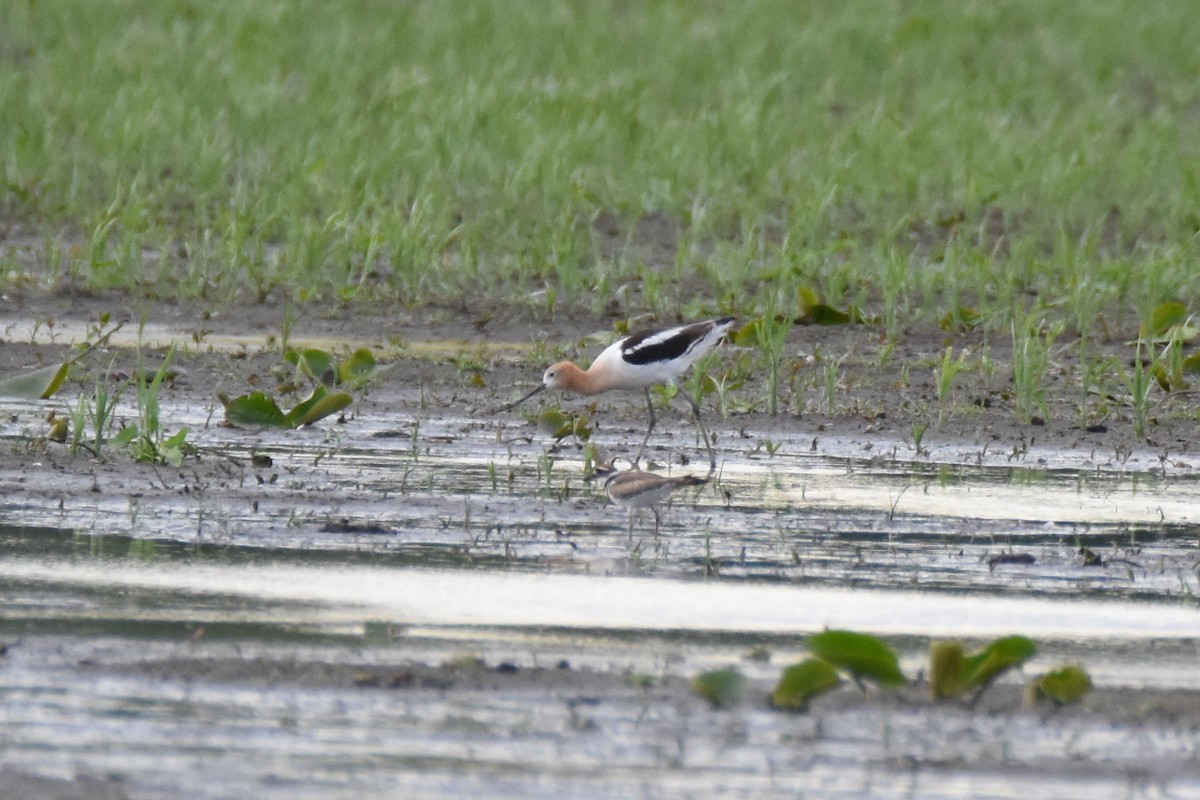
(384, 542)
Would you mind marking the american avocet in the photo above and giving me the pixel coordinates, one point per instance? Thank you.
(639, 361)
(634, 489)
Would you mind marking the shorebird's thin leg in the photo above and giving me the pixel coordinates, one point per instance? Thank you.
(712, 456)
(657, 519)
(646, 438)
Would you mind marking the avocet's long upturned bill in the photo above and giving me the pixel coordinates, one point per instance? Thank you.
(639, 361)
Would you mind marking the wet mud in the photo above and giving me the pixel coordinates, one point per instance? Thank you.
(425, 597)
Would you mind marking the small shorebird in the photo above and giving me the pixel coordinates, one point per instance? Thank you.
(639, 361)
(635, 489)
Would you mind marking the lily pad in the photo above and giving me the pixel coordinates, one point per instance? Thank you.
(320, 404)
(721, 687)
(314, 363)
(859, 654)
(356, 369)
(257, 410)
(254, 410)
(801, 682)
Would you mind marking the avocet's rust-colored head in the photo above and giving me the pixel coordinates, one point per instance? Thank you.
(555, 376)
(565, 376)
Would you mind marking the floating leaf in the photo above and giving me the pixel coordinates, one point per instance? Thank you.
(312, 362)
(1067, 684)
(38, 384)
(946, 659)
(320, 404)
(980, 669)
(357, 368)
(254, 410)
(801, 682)
(721, 687)
(861, 655)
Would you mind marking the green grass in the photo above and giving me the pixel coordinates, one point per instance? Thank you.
(907, 157)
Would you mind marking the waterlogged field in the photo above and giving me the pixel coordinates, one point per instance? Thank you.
(960, 241)
(426, 598)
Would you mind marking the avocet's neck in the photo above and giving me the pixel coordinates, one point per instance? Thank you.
(567, 377)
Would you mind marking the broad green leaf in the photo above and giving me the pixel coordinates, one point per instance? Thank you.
(320, 404)
(35, 384)
(1191, 365)
(555, 422)
(861, 655)
(749, 335)
(946, 659)
(175, 448)
(178, 439)
(1067, 684)
(721, 687)
(357, 368)
(254, 410)
(980, 669)
(822, 314)
(812, 310)
(581, 428)
(801, 682)
(311, 361)
(125, 436)
(1167, 316)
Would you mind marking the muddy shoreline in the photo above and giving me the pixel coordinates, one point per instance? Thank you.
(840, 492)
